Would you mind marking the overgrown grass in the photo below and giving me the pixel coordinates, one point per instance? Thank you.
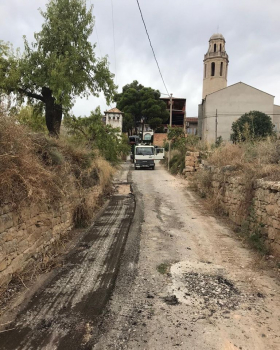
(34, 167)
(261, 158)
(249, 161)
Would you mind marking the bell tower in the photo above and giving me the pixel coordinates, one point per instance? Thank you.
(215, 66)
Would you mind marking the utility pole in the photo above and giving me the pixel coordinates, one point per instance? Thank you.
(169, 148)
(216, 126)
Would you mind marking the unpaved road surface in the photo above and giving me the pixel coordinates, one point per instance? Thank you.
(178, 279)
(193, 286)
(63, 312)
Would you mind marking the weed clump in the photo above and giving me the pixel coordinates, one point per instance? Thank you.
(163, 268)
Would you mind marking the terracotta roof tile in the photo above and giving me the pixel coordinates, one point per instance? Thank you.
(114, 110)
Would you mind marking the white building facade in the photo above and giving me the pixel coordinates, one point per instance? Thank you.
(221, 104)
(114, 117)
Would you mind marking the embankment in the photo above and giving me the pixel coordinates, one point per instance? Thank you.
(47, 187)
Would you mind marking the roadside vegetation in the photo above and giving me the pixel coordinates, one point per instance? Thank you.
(255, 154)
(180, 144)
(35, 167)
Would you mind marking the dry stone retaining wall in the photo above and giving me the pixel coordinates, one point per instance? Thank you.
(259, 205)
(27, 234)
(192, 162)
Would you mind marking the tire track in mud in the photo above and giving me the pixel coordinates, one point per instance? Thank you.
(63, 313)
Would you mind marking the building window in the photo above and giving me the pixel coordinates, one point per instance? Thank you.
(205, 71)
(215, 47)
(221, 69)
(220, 47)
(212, 69)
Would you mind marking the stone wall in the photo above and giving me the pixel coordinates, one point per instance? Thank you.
(192, 162)
(259, 205)
(267, 210)
(26, 234)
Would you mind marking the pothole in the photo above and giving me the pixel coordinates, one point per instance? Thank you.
(216, 291)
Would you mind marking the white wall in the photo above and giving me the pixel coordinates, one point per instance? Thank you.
(231, 103)
(114, 119)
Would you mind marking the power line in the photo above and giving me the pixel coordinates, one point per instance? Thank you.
(152, 47)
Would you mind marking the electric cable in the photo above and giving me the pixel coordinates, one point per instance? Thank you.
(152, 46)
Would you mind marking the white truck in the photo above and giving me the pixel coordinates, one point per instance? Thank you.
(145, 156)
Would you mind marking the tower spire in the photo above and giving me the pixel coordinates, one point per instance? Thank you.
(215, 65)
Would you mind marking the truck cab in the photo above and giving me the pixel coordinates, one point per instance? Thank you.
(145, 156)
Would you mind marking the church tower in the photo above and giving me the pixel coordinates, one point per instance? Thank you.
(215, 65)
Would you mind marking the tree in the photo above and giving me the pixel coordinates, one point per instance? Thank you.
(105, 138)
(251, 126)
(141, 105)
(32, 117)
(59, 65)
(177, 137)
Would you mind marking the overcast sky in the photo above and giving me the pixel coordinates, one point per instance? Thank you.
(179, 30)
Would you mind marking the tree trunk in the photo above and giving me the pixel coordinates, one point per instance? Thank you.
(53, 113)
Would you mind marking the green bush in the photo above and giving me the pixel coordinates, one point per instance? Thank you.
(252, 126)
(177, 163)
(97, 136)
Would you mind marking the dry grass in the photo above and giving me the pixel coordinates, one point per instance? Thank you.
(106, 171)
(259, 159)
(36, 168)
(23, 176)
(227, 154)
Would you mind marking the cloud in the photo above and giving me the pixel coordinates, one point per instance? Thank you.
(179, 30)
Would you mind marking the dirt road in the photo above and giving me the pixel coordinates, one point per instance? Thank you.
(63, 312)
(178, 279)
(194, 286)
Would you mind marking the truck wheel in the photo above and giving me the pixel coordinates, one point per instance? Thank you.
(153, 167)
